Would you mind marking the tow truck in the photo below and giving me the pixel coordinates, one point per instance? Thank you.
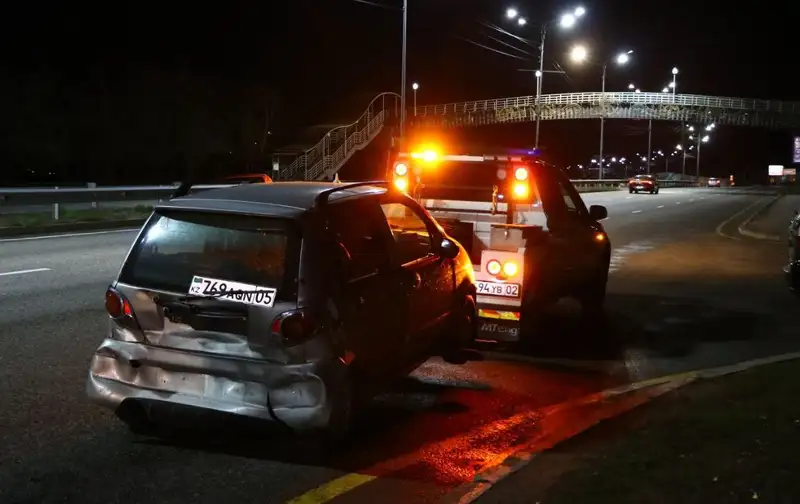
(530, 237)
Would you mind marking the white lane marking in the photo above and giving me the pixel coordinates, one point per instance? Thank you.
(660, 206)
(23, 272)
(637, 211)
(68, 235)
(628, 197)
(677, 202)
(618, 255)
(691, 200)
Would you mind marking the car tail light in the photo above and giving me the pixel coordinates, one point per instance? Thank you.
(294, 328)
(401, 169)
(521, 173)
(494, 267)
(116, 304)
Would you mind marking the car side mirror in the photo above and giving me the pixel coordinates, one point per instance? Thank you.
(448, 249)
(598, 212)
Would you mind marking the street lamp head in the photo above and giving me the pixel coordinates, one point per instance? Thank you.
(522, 21)
(578, 54)
(623, 58)
(705, 138)
(631, 86)
(638, 91)
(579, 11)
(568, 20)
(511, 13)
(671, 85)
(679, 147)
(538, 73)
(691, 128)
(665, 90)
(415, 86)
(674, 70)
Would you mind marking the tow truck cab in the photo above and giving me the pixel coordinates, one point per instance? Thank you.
(511, 212)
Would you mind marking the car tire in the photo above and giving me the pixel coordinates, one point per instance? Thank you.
(630, 190)
(656, 191)
(461, 332)
(593, 297)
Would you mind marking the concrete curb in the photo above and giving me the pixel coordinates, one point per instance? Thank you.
(755, 234)
(15, 232)
(483, 482)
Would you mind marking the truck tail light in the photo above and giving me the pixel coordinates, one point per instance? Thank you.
(504, 270)
(520, 190)
(401, 169)
(521, 173)
(401, 183)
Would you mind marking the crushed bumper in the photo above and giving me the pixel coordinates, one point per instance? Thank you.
(295, 395)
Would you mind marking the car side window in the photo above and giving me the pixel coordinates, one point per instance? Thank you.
(360, 231)
(572, 199)
(412, 236)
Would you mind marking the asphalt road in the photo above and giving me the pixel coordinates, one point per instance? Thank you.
(682, 295)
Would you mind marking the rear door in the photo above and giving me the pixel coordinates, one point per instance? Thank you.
(183, 253)
(430, 291)
(565, 257)
(372, 306)
(579, 228)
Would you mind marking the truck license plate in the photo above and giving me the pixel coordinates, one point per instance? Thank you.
(510, 290)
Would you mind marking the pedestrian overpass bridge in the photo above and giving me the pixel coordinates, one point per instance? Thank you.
(324, 159)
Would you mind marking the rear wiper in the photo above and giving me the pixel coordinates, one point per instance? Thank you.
(211, 295)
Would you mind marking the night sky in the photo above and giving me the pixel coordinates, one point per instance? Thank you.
(140, 90)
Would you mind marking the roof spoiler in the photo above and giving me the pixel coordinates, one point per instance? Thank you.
(322, 198)
(187, 186)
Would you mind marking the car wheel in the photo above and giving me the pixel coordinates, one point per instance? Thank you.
(656, 191)
(340, 421)
(461, 332)
(630, 190)
(593, 297)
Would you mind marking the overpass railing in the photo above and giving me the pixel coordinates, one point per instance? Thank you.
(597, 98)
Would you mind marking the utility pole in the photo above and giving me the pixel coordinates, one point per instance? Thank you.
(403, 73)
(602, 121)
(649, 143)
(539, 78)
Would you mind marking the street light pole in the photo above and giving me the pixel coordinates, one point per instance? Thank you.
(602, 120)
(649, 143)
(540, 77)
(697, 169)
(403, 73)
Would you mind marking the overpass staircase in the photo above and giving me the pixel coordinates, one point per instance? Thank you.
(337, 146)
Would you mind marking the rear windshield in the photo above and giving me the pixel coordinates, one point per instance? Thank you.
(465, 180)
(177, 246)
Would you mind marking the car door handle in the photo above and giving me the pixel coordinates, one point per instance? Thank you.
(416, 281)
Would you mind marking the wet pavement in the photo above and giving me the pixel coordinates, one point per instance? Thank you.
(681, 297)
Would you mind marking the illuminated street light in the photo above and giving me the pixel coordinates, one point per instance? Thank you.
(705, 139)
(414, 87)
(579, 54)
(566, 21)
(623, 58)
(665, 90)
(679, 147)
(674, 70)
(691, 128)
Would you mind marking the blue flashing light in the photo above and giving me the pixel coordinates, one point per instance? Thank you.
(524, 152)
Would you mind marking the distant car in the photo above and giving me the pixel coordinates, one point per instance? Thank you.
(289, 302)
(714, 182)
(792, 269)
(646, 183)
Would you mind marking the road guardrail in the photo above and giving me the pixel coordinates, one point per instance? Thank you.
(18, 198)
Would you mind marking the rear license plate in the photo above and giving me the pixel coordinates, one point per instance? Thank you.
(509, 290)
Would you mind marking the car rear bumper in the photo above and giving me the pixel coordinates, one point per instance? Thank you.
(295, 395)
(642, 187)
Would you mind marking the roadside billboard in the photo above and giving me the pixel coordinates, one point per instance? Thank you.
(796, 150)
(776, 170)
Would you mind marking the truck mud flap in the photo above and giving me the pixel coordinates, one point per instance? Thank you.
(498, 326)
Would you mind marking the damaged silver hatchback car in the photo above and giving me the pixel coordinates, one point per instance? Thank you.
(290, 302)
